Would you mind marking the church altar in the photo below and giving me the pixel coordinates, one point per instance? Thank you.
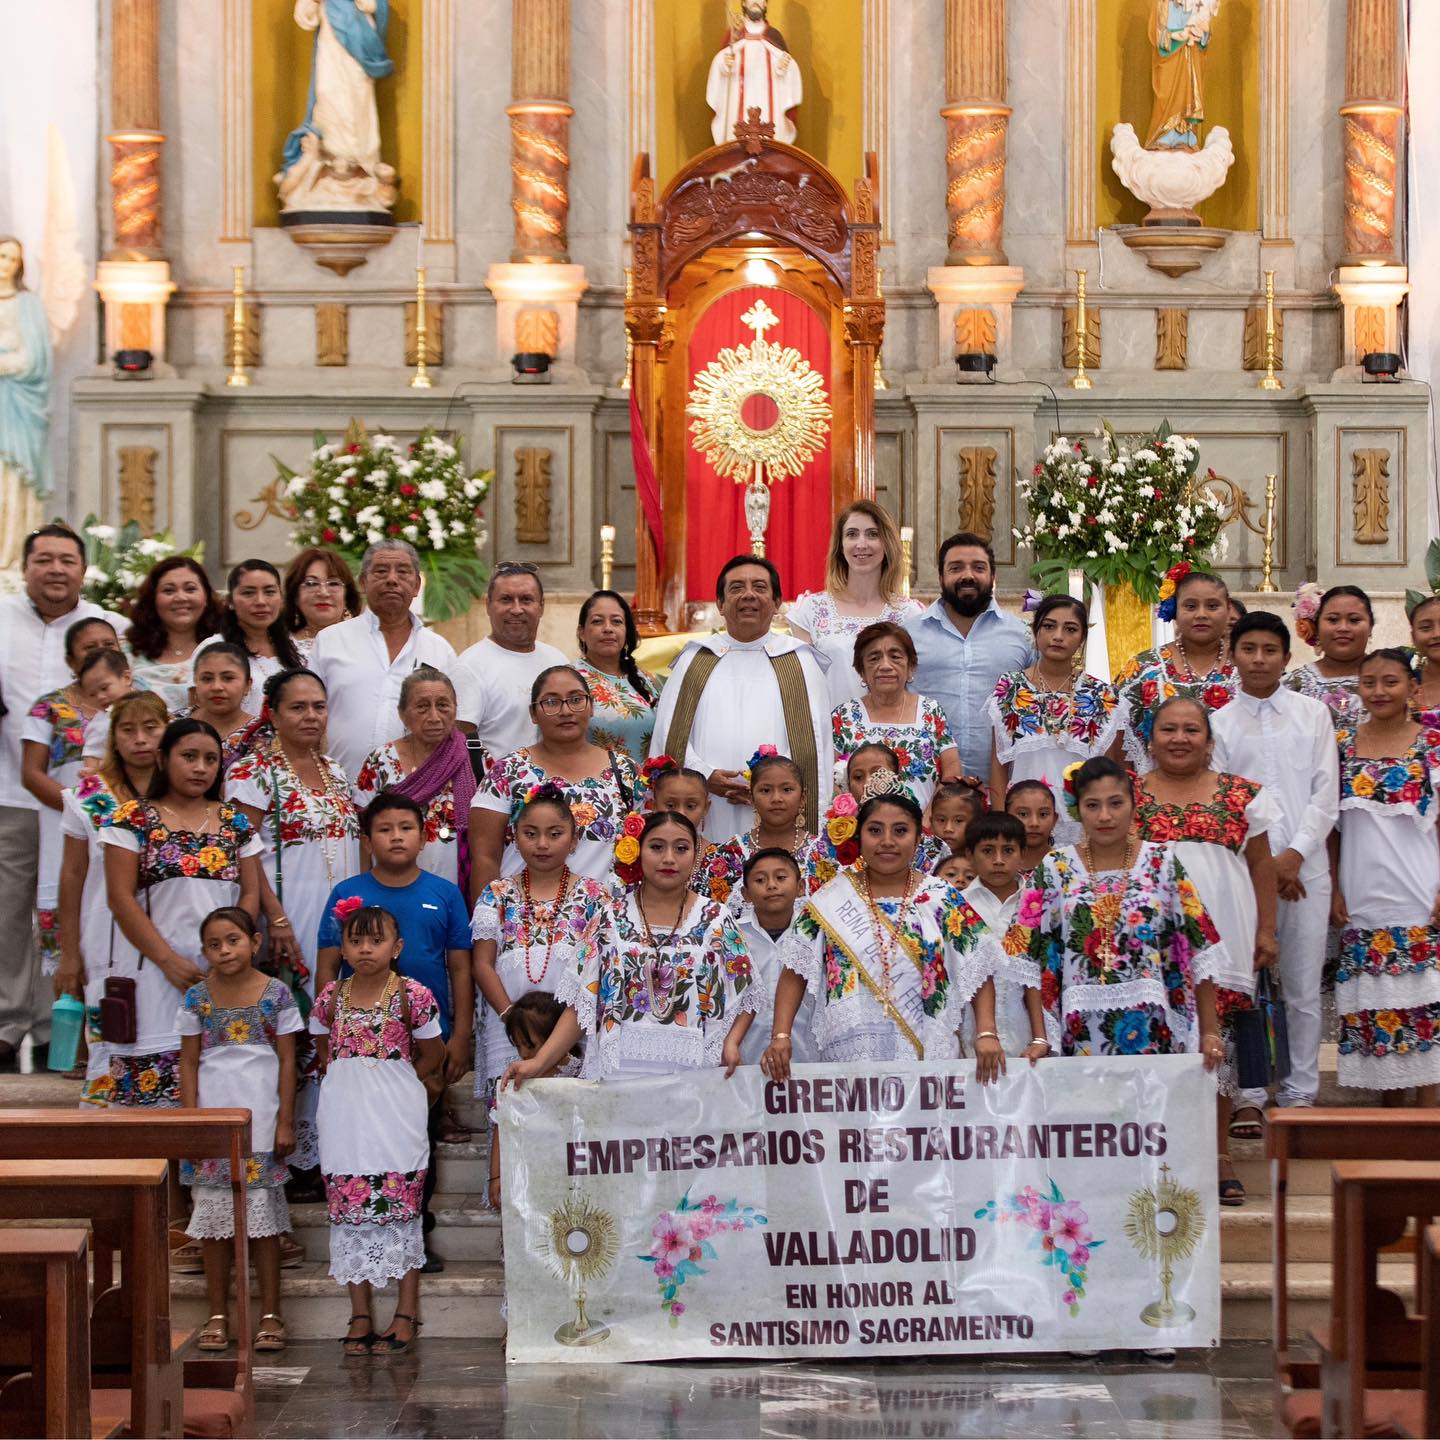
(952, 174)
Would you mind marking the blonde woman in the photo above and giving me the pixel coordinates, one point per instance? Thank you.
(862, 586)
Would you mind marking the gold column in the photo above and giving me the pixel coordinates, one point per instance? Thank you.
(976, 117)
(1372, 114)
(540, 129)
(135, 136)
(645, 329)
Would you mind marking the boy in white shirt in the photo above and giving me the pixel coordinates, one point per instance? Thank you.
(1286, 741)
(769, 901)
(994, 844)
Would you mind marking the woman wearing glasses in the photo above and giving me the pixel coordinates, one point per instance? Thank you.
(598, 783)
(319, 591)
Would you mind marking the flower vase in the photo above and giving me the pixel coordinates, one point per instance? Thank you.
(1127, 625)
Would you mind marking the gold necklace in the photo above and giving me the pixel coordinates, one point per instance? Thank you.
(339, 802)
(1039, 686)
(885, 942)
(1132, 847)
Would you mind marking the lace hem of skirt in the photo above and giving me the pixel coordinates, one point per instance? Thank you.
(212, 1214)
(375, 1254)
(1389, 1072)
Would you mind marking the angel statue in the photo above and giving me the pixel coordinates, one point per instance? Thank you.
(25, 364)
(753, 70)
(1179, 38)
(332, 159)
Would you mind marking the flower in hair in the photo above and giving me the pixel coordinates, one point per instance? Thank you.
(764, 752)
(1306, 606)
(345, 908)
(1072, 800)
(1168, 586)
(627, 849)
(650, 773)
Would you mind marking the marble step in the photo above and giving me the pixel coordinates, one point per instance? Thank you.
(465, 1230)
(1246, 1291)
(1245, 1230)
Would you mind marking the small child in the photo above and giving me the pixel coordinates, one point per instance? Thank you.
(1032, 803)
(104, 676)
(867, 761)
(773, 889)
(528, 929)
(955, 805)
(867, 774)
(237, 1049)
(994, 844)
(777, 789)
(529, 1023)
(376, 1035)
(687, 793)
(956, 870)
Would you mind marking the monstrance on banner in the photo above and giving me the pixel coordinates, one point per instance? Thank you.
(760, 413)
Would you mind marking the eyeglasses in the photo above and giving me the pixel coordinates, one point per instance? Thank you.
(554, 704)
(516, 567)
(311, 586)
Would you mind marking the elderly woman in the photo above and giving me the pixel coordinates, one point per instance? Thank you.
(599, 784)
(174, 610)
(431, 764)
(913, 726)
(319, 592)
(862, 586)
(624, 695)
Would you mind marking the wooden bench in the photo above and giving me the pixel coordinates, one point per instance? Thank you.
(120, 1134)
(1429, 1302)
(1328, 1135)
(45, 1277)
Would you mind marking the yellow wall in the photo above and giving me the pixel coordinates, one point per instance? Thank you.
(826, 36)
(281, 81)
(1232, 99)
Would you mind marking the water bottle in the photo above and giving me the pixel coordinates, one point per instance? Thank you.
(67, 1024)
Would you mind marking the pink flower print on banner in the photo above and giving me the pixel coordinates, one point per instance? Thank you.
(682, 1238)
(1059, 1229)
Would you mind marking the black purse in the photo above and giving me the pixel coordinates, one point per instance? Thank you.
(1262, 1038)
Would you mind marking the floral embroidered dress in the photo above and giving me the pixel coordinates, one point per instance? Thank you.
(373, 1143)
(1117, 956)
(310, 842)
(1151, 677)
(239, 1069)
(56, 723)
(83, 811)
(441, 856)
(658, 1006)
(833, 635)
(896, 988)
(918, 745)
(535, 945)
(183, 876)
(736, 851)
(1340, 694)
(1038, 734)
(1387, 984)
(599, 805)
(623, 719)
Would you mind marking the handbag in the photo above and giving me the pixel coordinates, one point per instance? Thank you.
(117, 1011)
(1262, 1037)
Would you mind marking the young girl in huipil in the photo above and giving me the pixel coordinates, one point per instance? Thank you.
(1032, 803)
(528, 927)
(777, 791)
(376, 1035)
(686, 793)
(237, 1050)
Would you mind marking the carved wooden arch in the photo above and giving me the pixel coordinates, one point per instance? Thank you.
(748, 188)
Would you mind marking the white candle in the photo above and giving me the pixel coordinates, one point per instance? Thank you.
(906, 534)
(607, 534)
(420, 245)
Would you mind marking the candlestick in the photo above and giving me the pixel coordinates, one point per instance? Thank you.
(879, 373)
(237, 376)
(420, 380)
(607, 557)
(1080, 380)
(629, 344)
(907, 561)
(1268, 380)
(420, 246)
(1267, 585)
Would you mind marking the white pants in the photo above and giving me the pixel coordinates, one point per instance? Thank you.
(1300, 927)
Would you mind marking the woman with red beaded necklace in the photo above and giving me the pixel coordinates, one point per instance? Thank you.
(528, 927)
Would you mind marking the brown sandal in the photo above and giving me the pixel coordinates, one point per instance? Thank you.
(215, 1335)
(271, 1335)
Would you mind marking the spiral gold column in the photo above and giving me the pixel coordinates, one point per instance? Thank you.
(540, 114)
(135, 136)
(1372, 114)
(976, 120)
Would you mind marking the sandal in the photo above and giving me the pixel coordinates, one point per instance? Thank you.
(453, 1131)
(1232, 1192)
(215, 1335)
(359, 1344)
(271, 1334)
(389, 1343)
(1248, 1129)
(292, 1253)
(187, 1259)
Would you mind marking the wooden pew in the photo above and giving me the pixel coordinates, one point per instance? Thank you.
(1346, 1133)
(46, 1274)
(120, 1134)
(1429, 1302)
(1370, 1361)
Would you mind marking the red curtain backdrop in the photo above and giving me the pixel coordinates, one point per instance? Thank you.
(800, 505)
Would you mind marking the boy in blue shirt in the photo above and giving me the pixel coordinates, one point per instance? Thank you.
(435, 926)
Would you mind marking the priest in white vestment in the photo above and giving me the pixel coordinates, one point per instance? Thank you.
(749, 687)
(754, 71)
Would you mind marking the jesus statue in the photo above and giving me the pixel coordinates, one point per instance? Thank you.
(753, 71)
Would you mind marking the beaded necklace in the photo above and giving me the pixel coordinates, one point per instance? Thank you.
(1038, 685)
(886, 942)
(337, 800)
(1178, 645)
(801, 838)
(532, 915)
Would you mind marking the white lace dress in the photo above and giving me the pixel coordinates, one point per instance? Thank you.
(833, 635)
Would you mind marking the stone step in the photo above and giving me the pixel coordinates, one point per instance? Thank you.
(1246, 1290)
(461, 1304)
(465, 1229)
(1245, 1230)
(464, 1168)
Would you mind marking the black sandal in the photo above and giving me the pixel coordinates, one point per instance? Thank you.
(390, 1344)
(365, 1342)
(1232, 1192)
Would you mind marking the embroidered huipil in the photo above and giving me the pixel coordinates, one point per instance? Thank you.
(1387, 984)
(1340, 695)
(657, 1008)
(56, 723)
(918, 745)
(623, 719)
(1117, 956)
(441, 856)
(1151, 677)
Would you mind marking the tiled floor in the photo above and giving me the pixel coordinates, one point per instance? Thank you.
(459, 1388)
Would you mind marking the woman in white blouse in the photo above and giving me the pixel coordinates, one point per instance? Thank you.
(862, 586)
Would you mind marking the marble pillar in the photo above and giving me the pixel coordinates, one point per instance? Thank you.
(539, 272)
(134, 278)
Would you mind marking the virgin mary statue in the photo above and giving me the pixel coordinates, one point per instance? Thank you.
(24, 404)
(332, 159)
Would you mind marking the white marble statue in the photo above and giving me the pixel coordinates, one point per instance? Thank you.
(754, 71)
(25, 364)
(332, 160)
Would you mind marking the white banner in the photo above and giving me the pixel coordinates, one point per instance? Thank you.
(896, 1210)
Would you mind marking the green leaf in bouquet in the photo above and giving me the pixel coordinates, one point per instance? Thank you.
(1414, 599)
(453, 582)
(1432, 565)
